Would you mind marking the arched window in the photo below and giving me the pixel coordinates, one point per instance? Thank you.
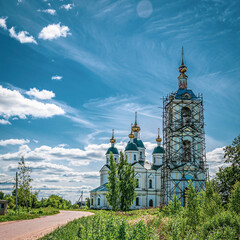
(140, 155)
(186, 150)
(137, 183)
(150, 183)
(154, 160)
(107, 160)
(150, 203)
(92, 201)
(98, 201)
(186, 115)
(135, 157)
(137, 201)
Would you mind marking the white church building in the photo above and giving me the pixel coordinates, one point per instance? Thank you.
(180, 159)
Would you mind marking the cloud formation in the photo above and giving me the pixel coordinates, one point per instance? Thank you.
(49, 11)
(14, 104)
(54, 31)
(13, 142)
(3, 23)
(44, 94)
(56, 77)
(22, 37)
(4, 122)
(67, 6)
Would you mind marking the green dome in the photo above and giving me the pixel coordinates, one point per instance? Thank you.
(131, 147)
(113, 150)
(158, 149)
(139, 143)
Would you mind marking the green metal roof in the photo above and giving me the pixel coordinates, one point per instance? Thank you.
(113, 150)
(139, 143)
(158, 149)
(102, 188)
(131, 147)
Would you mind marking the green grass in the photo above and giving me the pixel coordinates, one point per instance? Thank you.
(106, 225)
(23, 214)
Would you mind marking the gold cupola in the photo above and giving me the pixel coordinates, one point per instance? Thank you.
(112, 140)
(131, 135)
(158, 139)
(135, 127)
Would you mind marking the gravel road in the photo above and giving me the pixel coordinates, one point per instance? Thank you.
(38, 227)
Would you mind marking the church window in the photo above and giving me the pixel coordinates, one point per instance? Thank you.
(135, 157)
(186, 150)
(137, 183)
(137, 201)
(140, 154)
(107, 160)
(98, 201)
(154, 160)
(186, 115)
(150, 183)
(92, 201)
(150, 203)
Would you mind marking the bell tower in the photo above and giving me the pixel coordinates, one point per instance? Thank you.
(183, 141)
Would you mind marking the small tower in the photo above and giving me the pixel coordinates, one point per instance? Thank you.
(112, 149)
(141, 148)
(131, 149)
(158, 152)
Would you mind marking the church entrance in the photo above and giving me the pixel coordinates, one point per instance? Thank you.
(150, 203)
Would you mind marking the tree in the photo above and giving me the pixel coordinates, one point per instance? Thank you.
(113, 193)
(1, 195)
(87, 202)
(127, 184)
(234, 200)
(228, 176)
(24, 184)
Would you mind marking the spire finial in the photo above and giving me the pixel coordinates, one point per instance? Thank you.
(112, 140)
(182, 56)
(136, 117)
(158, 131)
(131, 135)
(135, 127)
(158, 139)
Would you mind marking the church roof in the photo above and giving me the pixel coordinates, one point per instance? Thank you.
(158, 149)
(113, 150)
(156, 167)
(131, 147)
(180, 93)
(139, 143)
(102, 188)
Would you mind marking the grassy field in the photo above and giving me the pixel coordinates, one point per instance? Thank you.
(23, 214)
(171, 223)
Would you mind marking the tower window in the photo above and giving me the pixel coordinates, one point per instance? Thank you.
(98, 201)
(154, 160)
(140, 154)
(92, 201)
(135, 157)
(150, 183)
(186, 150)
(137, 201)
(186, 115)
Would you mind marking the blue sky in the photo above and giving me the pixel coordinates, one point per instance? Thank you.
(71, 71)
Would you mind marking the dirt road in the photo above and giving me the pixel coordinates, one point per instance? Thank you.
(38, 227)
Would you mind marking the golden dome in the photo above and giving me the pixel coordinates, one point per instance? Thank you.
(136, 128)
(131, 135)
(112, 140)
(158, 139)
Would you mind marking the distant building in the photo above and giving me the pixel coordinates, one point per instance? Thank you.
(180, 159)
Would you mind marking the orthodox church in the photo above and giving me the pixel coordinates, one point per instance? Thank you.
(181, 157)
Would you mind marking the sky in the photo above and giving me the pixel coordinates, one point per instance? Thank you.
(73, 70)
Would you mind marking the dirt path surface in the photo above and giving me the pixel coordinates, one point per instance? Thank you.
(38, 227)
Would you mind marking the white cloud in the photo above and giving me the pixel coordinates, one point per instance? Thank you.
(58, 78)
(4, 122)
(3, 23)
(14, 104)
(67, 6)
(44, 94)
(49, 11)
(13, 142)
(22, 37)
(215, 160)
(54, 31)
